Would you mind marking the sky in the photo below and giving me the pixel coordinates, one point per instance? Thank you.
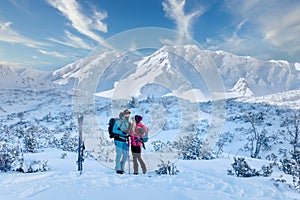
(49, 34)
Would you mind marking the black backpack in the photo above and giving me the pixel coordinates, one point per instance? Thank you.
(111, 124)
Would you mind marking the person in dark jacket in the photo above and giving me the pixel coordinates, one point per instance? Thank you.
(137, 132)
(121, 129)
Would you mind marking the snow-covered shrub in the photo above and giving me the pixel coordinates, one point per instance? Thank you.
(266, 170)
(272, 157)
(242, 169)
(161, 146)
(291, 166)
(286, 165)
(189, 148)
(30, 140)
(9, 156)
(167, 168)
(69, 142)
(31, 166)
(133, 103)
(224, 139)
(64, 156)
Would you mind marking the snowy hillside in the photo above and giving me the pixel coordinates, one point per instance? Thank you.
(12, 76)
(196, 180)
(49, 114)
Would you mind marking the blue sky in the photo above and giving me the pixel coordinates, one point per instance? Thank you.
(48, 34)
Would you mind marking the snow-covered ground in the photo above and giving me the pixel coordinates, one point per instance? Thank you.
(44, 105)
(198, 179)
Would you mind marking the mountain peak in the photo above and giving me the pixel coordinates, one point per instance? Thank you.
(242, 88)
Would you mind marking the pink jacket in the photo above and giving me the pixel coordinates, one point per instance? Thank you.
(135, 135)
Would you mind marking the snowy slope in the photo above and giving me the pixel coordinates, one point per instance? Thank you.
(13, 76)
(196, 180)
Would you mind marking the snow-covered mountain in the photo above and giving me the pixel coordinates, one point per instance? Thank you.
(163, 73)
(241, 88)
(163, 68)
(16, 77)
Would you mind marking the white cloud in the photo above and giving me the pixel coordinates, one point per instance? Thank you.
(7, 34)
(175, 10)
(82, 23)
(53, 54)
(72, 41)
(277, 21)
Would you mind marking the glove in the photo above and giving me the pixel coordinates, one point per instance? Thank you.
(127, 135)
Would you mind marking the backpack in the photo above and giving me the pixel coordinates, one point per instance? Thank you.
(111, 124)
(145, 133)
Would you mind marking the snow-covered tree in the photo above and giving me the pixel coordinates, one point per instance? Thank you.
(258, 138)
(30, 140)
(69, 142)
(9, 156)
(292, 132)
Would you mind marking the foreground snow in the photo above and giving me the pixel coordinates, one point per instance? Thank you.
(197, 180)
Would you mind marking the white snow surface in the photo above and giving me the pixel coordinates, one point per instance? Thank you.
(198, 179)
(32, 93)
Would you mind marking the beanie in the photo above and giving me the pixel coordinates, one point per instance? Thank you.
(138, 118)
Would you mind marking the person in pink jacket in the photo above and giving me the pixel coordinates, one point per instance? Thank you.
(138, 130)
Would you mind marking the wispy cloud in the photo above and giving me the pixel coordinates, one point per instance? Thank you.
(175, 10)
(277, 22)
(85, 25)
(53, 54)
(72, 41)
(22, 5)
(9, 35)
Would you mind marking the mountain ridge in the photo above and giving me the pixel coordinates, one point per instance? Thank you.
(263, 77)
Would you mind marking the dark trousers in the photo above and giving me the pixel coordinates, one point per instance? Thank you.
(137, 156)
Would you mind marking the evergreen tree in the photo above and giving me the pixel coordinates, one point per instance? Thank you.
(30, 141)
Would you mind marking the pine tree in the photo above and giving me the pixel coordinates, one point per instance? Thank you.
(30, 141)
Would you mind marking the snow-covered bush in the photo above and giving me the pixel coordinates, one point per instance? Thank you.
(224, 139)
(161, 146)
(167, 168)
(31, 166)
(189, 148)
(9, 156)
(291, 166)
(242, 169)
(133, 103)
(69, 142)
(30, 140)
(266, 170)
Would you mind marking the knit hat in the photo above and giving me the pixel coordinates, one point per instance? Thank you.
(138, 118)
